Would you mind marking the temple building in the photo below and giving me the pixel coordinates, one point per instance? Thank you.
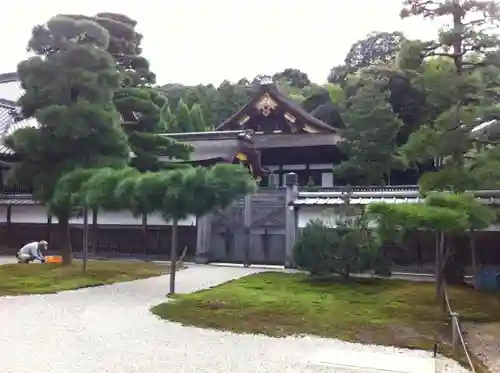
(287, 138)
(271, 135)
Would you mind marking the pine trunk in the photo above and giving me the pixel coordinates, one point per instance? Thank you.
(85, 243)
(145, 233)
(473, 252)
(65, 241)
(173, 256)
(439, 269)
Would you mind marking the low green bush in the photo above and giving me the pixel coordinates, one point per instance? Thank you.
(347, 248)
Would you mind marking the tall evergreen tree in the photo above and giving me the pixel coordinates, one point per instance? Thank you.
(70, 92)
(454, 84)
(138, 102)
(369, 137)
(184, 118)
(457, 96)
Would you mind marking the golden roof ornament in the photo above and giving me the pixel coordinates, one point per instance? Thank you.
(266, 104)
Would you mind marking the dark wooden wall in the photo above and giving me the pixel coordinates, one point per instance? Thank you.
(103, 240)
(155, 243)
(419, 249)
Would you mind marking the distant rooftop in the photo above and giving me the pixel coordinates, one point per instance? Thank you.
(486, 130)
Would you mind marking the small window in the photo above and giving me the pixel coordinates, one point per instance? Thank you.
(327, 179)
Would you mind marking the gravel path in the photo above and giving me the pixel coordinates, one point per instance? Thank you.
(484, 341)
(110, 329)
(7, 259)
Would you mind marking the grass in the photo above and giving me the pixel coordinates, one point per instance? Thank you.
(386, 312)
(17, 279)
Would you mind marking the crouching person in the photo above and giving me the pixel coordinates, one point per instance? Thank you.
(32, 252)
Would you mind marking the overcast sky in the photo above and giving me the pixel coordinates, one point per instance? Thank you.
(207, 41)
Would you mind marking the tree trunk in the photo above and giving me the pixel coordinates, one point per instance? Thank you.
(85, 243)
(145, 233)
(474, 259)
(453, 263)
(173, 256)
(347, 272)
(66, 249)
(458, 28)
(95, 233)
(439, 269)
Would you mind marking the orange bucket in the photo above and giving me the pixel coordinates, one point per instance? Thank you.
(53, 259)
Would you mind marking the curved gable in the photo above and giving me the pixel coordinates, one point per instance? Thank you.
(270, 111)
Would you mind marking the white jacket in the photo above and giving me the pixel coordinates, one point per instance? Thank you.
(33, 250)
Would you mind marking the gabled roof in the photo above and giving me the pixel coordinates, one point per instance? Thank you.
(8, 77)
(486, 130)
(220, 146)
(8, 118)
(9, 124)
(271, 93)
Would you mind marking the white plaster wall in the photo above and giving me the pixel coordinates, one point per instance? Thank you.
(329, 215)
(3, 214)
(156, 219)
(494, 227)
(10, 91)
(38, 214)
(126, 218)
(28, 214)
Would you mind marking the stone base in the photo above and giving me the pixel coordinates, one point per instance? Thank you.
(201, 258)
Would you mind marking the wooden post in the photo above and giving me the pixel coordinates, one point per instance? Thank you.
(85, 246)
(173, 255)
(203, 238)
(247, 223)
(49, 226)
(144, 233)
(8, 225)
(455, 338)
(95, 233)
(291, 181)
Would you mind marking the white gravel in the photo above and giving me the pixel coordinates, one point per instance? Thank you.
(110, 329)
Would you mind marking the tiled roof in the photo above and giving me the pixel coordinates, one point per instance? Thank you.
(489, 129)
(17, 199)
(8, 121)
(353, 201)
(365, 196)
(8, 124)
(272, 90)
(8, 77)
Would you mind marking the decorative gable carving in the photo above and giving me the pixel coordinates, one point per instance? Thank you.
(266, 104)
(270, 109)
(243, 120)
(289, 117)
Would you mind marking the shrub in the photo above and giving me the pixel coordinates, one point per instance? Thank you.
(350, 247)
(314, 248)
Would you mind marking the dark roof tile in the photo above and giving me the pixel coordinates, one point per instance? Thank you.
(8, 125)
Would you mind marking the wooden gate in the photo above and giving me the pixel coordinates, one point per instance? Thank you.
(251, 231)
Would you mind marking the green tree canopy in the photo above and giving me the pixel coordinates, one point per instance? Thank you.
(70, 93)
(184, 118)
(456, 73)
(369, 139)
(138, 102)
(173, 194)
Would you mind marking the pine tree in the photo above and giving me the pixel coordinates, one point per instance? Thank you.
(369, 137)
(138, 102)
(70, 93)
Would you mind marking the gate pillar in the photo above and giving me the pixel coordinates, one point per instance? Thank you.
(291, 181)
